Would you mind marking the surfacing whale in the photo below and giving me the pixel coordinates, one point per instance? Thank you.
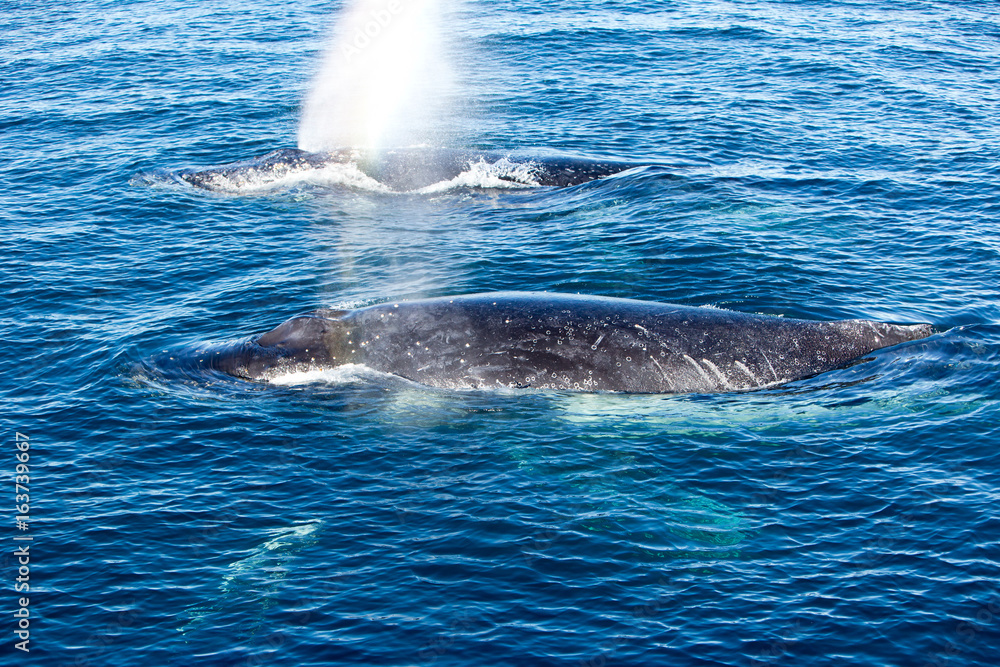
(560, 342)
(402, 170)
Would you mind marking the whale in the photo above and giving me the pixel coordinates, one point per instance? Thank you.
(402, 170)
(547, 341)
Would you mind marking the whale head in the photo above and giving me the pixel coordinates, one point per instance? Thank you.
(319, 339)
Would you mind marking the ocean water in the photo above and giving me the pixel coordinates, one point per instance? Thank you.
(819, 159)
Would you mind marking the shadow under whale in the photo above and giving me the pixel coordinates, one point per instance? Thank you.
(560, 342)
(403, 170)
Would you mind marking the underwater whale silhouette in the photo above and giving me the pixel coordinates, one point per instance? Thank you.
(560, 342)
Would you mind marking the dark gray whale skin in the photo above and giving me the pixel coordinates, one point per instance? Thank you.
(402, 169)
(562, 342)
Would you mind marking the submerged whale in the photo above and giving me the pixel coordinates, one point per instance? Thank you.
(561, 342)
(402, 170)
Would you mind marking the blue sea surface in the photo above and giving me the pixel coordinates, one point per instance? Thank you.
(816, 159)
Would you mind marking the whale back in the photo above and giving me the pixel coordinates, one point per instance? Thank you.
(248, 174)
(402, 170)
(563, 342)
(585, 343)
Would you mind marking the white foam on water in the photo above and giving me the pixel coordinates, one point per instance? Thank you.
(343, 174)
(346, 374)
(500, 174)
(251, 180)
(383, 80)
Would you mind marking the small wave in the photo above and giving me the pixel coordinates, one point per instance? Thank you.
(782, 172)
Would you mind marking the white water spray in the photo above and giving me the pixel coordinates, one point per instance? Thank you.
(384, 78)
